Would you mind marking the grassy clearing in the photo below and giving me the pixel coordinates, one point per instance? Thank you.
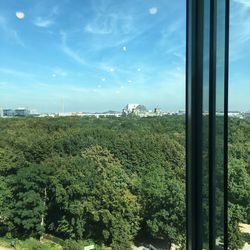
(31, 244)
(4, 242)
(34, 244)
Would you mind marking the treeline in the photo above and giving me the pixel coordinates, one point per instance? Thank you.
(238, 179)
(110, 180)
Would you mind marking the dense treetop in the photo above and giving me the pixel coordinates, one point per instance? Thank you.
(110, 180)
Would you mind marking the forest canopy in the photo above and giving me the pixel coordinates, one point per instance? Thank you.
(110, 180)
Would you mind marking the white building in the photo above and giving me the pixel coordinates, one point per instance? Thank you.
(140, 110)
(235, 114)
(130, 107)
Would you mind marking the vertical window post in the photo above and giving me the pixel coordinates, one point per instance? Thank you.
(206, 108)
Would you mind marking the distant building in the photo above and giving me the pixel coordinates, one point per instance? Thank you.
(157, 111)
(140, 110)
(236, 114)
(8, 112)
(104, 114)
(246, 115)
(21, 112)
(131, 107)
(34, 113)
(181, 112)
(134, 109)
(64, 114)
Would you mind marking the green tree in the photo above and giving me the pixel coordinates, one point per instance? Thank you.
(10, 161)
(116, 208)
(93, 199)
(163, 197)
(29, 199)
(235, 237)
(239, 185)
(5, 201)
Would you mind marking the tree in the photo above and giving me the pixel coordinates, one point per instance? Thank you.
(10, 161)
(235, 237)
(239, 185)
(93, 199)
(116, 208)
(29, 199)
(5, 200)
(163, 197)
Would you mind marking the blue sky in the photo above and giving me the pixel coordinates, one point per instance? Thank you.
(239, 54)
(99, 55)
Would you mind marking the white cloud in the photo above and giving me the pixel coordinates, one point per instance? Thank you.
(109, 22)
(153, 11)
(124, 48)
(69, 52)
(122, 87)
(60, 72)
(111, 70)
(240, 32)
(129, 81)
(13, 34)
(20, 15)
(13, 72)
(103, 79)
(10, 33)
(117, 27)
(73, 55)
(139, 69)
(42, 22)
(246, 3)
(94, 29)
(54, 75)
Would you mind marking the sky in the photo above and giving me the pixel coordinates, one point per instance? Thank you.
(99, 55)
(239, 55)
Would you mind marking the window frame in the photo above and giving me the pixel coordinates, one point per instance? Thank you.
(195, 86)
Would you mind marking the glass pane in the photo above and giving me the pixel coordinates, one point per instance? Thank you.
(239, 127)
(92, 130)
(206, 130)
(205, 125)
(219, 126)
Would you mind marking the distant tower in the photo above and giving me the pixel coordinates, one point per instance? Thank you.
(1, 112)
(157, 111)
(62, 105)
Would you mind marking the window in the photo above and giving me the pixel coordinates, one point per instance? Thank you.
(92, 125)
(93, 129)
(238, 126)
(207, 70)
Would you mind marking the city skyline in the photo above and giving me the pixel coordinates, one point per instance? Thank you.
(98, 55)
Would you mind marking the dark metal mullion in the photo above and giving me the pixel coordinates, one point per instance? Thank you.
(227, 13)
(194, 122)
(187, 121)
(212, 122)
(194, 139)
